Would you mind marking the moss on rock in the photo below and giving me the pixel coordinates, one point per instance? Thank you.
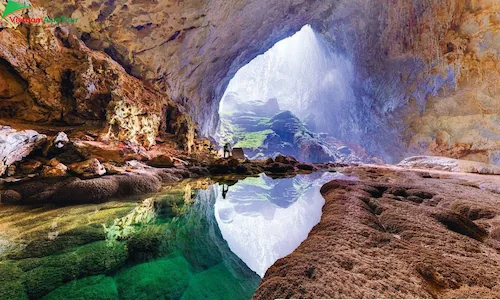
(100, 257)
(161, 279)
(40, 281)
(95, 287)
(11, 287)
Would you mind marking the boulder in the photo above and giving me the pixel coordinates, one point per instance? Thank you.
(88, 169)
(29, 166)
(10, 197)
(162, 161)
(305, 167)
(233, 162)
(238, 153)
(16, 145)
(279, 168)
(56, 145)
(285, 159)
(54, 170)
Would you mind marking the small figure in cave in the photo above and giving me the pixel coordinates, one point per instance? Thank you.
(227, 149)
(225, 189)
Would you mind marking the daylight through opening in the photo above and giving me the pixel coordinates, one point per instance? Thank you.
(276, 103)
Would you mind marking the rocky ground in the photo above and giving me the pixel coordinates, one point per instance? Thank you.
(397, 233)
(75, 169)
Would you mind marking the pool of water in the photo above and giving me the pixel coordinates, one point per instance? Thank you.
(195, 240)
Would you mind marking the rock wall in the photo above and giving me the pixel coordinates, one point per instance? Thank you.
(425, 71)
(50, 76)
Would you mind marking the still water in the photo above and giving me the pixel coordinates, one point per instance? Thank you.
(195, 240)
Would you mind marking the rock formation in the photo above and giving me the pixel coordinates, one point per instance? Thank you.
(16, 145)
(380, 238)
(51, 77)
(424, 72)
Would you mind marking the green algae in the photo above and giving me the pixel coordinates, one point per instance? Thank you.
(99, 287)
(40, 276)
(174, 246)
(160, 279)
(149, 242)
(218, 283)
(11, 286)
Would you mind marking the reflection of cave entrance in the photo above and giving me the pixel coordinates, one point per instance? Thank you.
(276, 103)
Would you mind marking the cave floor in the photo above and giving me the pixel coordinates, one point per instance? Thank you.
(398, 233)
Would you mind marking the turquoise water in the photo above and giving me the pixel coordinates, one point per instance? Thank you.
(195, 240)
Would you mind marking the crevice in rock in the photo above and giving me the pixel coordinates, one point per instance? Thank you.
(461, 225)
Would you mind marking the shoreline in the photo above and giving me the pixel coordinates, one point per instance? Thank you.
(397, 233)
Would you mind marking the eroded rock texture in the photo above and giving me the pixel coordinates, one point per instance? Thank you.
(425, 73)
(424, 76)
(396, 234)
(50, 76)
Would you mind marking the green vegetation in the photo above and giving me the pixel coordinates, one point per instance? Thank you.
(252, 140)
(149, 242)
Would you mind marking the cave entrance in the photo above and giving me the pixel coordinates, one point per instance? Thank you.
(275, 104)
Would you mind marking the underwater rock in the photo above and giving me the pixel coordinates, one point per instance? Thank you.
(163, 279)
(94, 287)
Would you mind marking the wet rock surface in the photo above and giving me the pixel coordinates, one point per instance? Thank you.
(376, 241)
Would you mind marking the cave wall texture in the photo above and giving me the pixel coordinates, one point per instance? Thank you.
(426, 72)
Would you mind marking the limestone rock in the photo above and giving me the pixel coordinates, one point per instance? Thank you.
(162, 161)
(394, 246)
(449, 164)
(56, 144)
(15, 145)
(56, 169)
(29, 166)
(88, 169)
(66, 81)
(424, 72)
(10, 197)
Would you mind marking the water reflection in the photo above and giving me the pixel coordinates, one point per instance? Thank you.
(195, 240)
(264, 219)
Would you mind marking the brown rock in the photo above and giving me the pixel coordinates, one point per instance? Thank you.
(10, 197)
(57, 170)
(367, 247)
(306, 167)
(30, 166)
(233, 162)
(56, 145)
(162, 161)
(88, 169)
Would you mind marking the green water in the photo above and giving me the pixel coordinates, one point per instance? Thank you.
(165, 246)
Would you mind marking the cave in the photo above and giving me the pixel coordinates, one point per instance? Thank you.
(275, 104)
(250, 149)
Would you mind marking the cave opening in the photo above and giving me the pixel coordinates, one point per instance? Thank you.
(276, 103)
